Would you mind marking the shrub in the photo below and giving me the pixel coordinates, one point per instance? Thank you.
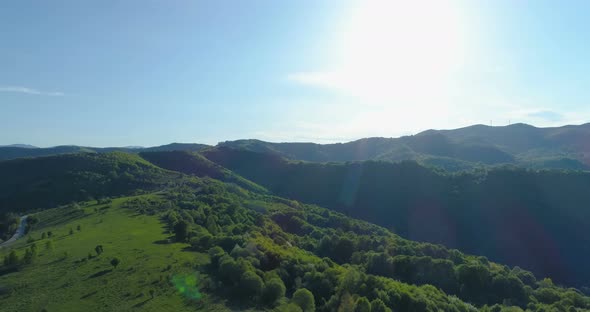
(304, 299)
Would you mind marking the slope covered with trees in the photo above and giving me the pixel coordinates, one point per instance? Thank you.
(256, 251)
(535, 219)
(45, 182)
(22, 151)
(458, 149)
(251, 251)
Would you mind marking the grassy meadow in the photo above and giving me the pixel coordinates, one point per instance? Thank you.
(64, 277)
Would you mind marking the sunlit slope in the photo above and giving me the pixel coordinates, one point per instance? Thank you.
(64, 278)
(261, 250)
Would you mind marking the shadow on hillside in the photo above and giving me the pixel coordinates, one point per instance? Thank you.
(140, 304)
(163, 241)
(89, 294)
(100, 273)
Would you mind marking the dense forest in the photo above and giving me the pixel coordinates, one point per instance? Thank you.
(511, 215)
(46, 182)
(270, 253)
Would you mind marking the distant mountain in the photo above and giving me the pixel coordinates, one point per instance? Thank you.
(20, 145)
(523, 145)
(189, 147)
(466, 148)
(14, 151)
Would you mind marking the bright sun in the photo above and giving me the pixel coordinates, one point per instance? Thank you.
(399, 48)
(402, 60)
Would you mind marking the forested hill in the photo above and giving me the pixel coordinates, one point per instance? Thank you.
(465, 148)
(251, 251)
(21, 150)
(535, 219)
(46, 182)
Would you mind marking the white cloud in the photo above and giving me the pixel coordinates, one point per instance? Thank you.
(25, 90)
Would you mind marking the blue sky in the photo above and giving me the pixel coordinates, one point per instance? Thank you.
(116, 73)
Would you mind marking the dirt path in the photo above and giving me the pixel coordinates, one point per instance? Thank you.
(18, 234)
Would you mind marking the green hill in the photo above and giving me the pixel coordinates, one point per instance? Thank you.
(235, 250)
(511, 215)
(464, 148)
(193, 242)
(46, 182)
(22, 151)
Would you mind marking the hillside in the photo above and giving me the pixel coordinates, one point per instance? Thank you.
(21, 150)
(454, 150)
(209, 246)
(515, 216)
(46, 182)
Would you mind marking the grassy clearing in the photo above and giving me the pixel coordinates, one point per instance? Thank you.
(65, 279)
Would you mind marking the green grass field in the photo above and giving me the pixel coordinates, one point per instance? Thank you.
(64, 279)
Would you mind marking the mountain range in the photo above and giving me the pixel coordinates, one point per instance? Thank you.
(466, 148)
(445, 220)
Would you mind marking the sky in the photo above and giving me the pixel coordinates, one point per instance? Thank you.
(145, 73)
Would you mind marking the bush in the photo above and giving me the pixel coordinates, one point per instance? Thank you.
(251, 284)
(363, 305)
(304, 299)
(378, 305)
(115, 262)
(274, 290)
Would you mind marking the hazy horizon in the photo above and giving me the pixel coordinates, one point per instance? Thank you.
(271, 141)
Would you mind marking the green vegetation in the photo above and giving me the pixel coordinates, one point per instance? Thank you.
(511, 215)
(63, 278)
(196, 243)
(454, 150)
(51, 181)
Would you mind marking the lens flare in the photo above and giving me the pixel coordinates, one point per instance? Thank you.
(187, 285)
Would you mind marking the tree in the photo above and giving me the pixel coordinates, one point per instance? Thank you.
(49, 234)
(43, 235)
(152, 292)
(79, 228)
(115, 262)
(98, 249)
(71, 231)
(30, 255)
(378, 305)
(347, 304)
(215, 253)
(363, 305)
(212, 226)
(274, 290)
(304, 299)
(251, 284)
(49, 245)
(12, 258)
(181, 230)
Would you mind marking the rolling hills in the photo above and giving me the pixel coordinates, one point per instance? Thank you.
(459, 149)
(453, 150)
(198, 243)
(512, 215)
(247, 231)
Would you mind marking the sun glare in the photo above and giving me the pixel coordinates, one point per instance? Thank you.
(398, 49)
